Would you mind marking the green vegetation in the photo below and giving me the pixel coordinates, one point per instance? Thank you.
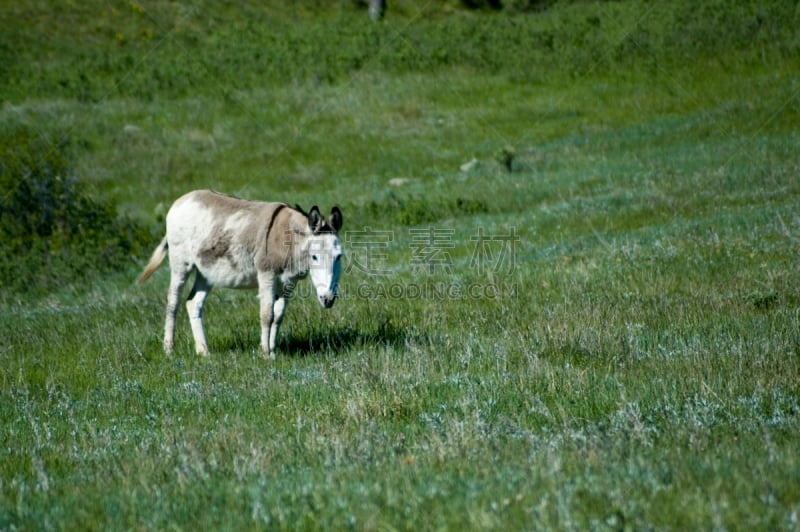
(52, 231)
(609, 340)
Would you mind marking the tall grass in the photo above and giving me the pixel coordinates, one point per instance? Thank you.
(632, 362)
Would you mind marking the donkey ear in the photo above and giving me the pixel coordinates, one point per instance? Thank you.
(315, 219)
(335, 219)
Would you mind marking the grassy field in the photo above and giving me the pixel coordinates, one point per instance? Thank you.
(572, 296)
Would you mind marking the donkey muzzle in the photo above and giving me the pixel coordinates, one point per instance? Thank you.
(327, 300)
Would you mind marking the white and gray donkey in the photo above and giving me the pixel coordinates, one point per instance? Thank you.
(235, 243)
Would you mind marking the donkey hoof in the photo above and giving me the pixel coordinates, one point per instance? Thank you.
(268, 355)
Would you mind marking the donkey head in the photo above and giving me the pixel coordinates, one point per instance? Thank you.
(325, 253)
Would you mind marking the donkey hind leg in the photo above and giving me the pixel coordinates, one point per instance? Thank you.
(179, 273)
(194, 306)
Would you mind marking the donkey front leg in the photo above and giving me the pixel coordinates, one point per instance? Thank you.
(266, 294)
(278, 308)
(194, 306)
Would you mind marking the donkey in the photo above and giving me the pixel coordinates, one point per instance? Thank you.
(235, 243)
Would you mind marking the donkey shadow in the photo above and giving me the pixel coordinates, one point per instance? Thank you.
(344, 338)
(330, 341)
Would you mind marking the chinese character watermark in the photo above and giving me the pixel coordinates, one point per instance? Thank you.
(492, 257)
(495, 253)
(429, 249)
(366, 250)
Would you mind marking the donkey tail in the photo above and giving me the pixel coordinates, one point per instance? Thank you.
(155, 261)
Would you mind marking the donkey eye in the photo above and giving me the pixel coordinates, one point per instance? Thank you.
(314, 258)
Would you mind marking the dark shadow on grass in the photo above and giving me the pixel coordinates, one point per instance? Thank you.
(325, 340)
(344, 338)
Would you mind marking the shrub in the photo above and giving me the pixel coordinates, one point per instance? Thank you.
(51, 230)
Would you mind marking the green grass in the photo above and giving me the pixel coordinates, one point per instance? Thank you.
(637, 368)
